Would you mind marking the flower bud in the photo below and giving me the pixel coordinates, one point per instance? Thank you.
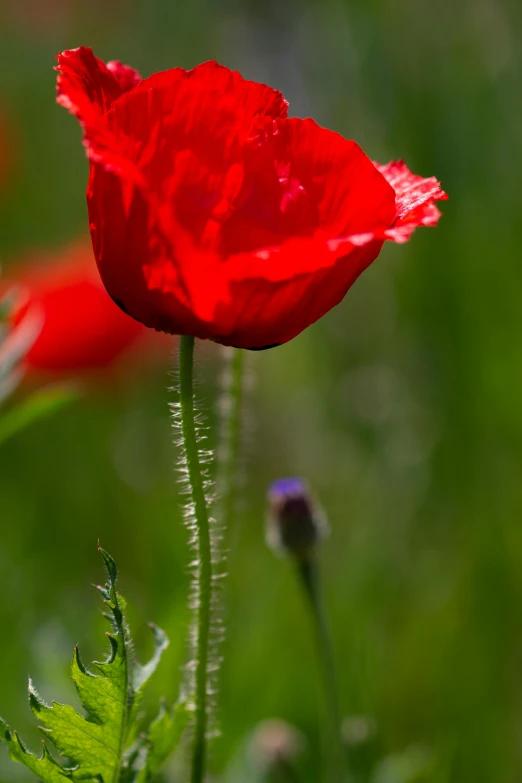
(275, 744)
(295, 522)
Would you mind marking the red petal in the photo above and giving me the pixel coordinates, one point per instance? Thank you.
(180, 135)
(175, 284)
(415, 197)
(253, 98)
(87, 87)
(82, 329)
(208, 110)
(135, 259)
(261, 312)
(250, 300)
(303, 180)
(126, 76)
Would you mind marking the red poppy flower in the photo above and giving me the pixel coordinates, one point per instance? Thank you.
(80, 328)
(214, 214)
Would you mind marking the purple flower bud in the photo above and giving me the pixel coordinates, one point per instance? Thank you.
(295, 522)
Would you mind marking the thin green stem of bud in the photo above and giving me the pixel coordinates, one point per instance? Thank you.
(287, 773)
(229, 448)
(308, 573)
(188, 429)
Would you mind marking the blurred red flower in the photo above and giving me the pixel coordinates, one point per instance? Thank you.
(214, 214)
(80, 328)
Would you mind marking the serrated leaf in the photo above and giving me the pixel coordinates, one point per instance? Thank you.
(165, 734)
(45, 767)
(143, 673)
(98, 745)
(95, 749)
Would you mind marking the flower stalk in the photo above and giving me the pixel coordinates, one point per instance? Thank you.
(296, 524)
(309, 577)
(204, 555)
(231, 405)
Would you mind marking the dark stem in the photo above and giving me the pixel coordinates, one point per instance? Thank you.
(287, 772)
(308, 573)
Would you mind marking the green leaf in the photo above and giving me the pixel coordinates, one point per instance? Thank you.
(142, 674)
(165, 734)
(45, 767)
(38, 405)
(101, 746)
(136, 770)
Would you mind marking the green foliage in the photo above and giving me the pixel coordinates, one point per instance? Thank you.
(106, 745)
(35, 406)
(165, 734)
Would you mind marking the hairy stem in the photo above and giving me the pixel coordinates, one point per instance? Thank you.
(335, 754)
(231, 408)
(188, 430)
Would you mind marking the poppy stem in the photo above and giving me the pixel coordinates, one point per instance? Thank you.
(229, 448)
(204, 550)
(309, 576)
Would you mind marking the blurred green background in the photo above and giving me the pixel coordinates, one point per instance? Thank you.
(401, 407)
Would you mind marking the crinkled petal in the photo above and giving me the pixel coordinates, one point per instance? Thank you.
(180, 136)
(415, 197)
(253, 98)
(87, 87)
(302, 180)
(208, 110)
(126, 76)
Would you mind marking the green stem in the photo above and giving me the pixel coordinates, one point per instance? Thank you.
(335, 754)
(232, 403)
(188, 429)
(287, 772)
